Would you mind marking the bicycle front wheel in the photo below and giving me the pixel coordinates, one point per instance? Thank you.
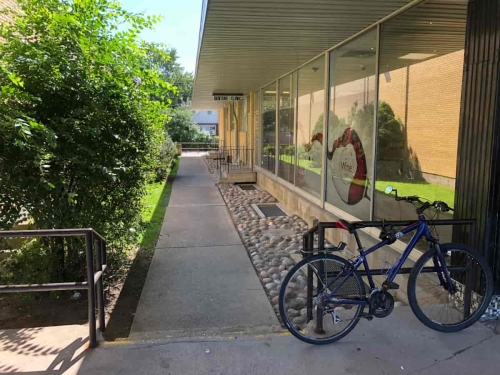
(304, 307)
(429, 295)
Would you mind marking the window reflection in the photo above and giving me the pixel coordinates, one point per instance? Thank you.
(351, 125)
(268, 159)
(286, 134)
(310, 108)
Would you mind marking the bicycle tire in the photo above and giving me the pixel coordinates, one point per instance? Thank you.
(412, 289)
(282, 308)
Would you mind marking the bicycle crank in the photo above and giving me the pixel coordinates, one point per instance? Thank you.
(381, 304)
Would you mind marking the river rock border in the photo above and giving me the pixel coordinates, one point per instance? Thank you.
(270, 242)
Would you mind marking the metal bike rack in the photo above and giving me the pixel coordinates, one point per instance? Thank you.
(320, 228)
(94, 277)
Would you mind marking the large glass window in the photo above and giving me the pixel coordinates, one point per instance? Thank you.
(268, 159)
(286, 134)
(419, 105)
(351, 125)
(310, 108)
(257, 141)
(227, 134)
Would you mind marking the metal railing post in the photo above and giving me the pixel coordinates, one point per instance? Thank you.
(91, 289)
(100, 287)
(310, 274)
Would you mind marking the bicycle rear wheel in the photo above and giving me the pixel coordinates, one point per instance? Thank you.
(323, 321)
(432, 302)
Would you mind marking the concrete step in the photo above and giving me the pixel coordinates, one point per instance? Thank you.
(238, 176)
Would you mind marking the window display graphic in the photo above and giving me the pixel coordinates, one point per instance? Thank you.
(349, 161)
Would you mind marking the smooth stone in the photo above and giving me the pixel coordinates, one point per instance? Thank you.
(273, 293)
(270, 286)
(267, 280)
(273, 270)
(287, 262)
(275, 263)
(275, 300)
(264, 274)
(292, 313)
(299, 320)
(282, 268)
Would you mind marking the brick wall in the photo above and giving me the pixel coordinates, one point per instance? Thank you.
(434, 91)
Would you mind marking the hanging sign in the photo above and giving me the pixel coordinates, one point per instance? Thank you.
(228, 96)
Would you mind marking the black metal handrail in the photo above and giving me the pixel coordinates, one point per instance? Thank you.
(234, 158)
(94, 276)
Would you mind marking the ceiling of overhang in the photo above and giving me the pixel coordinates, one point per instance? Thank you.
(247, 44)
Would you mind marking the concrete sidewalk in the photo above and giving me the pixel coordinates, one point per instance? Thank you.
(201, 277)
(398, 344)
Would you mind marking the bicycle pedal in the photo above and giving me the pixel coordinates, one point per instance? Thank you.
(391, 285)
(367, 317)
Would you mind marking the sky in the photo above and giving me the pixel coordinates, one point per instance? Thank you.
(178, 29)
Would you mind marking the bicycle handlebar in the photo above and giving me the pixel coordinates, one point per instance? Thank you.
(442, 206)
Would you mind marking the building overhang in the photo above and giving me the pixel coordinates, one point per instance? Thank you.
(245, 44)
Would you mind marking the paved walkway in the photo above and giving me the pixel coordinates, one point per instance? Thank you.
(398, 344)
(201, 278)
(203, 311)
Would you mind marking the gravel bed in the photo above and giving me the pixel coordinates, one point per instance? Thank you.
(269, 241)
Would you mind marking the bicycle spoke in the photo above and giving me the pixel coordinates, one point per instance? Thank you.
(337, 318)
(444, 304)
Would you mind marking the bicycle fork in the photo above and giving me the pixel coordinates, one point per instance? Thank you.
(442, 271)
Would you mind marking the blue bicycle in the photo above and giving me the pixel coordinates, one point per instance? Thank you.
(324, 296)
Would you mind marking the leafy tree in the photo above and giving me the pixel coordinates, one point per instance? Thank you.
(79, 131)
(182, 129)
(166, 61)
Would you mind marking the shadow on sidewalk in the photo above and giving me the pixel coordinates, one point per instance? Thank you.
(24, 342)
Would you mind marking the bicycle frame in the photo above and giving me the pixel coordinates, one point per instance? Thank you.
(422, 230)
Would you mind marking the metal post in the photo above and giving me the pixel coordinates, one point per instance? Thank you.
(469, 278)
(310, 285)
(100, 288)
(321, 237)
(91, 294)
(104, 256)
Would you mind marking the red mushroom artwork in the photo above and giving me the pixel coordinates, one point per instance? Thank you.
(350, 176)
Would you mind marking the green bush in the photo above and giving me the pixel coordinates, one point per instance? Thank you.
(30, 264)
(166, 155)
(80, 127)
(269, 150)
(182, 129)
